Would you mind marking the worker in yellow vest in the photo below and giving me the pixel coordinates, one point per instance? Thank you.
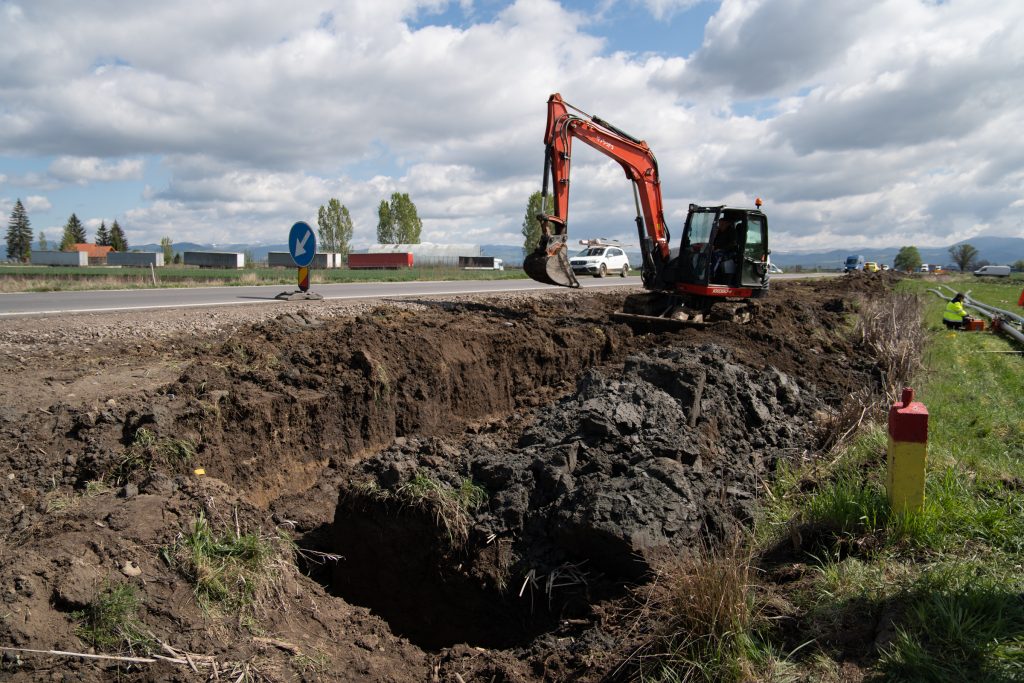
(955, 316)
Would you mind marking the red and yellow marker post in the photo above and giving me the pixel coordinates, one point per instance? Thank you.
(304, 279)
(908, 454)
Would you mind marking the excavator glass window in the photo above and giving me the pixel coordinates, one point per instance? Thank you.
(755, 246)
(700, 227)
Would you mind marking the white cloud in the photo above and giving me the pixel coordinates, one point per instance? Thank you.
(37, 203)
(881, 121)
(664, 9)
(82, 170)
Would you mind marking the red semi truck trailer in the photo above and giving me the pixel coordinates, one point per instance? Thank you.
(388, 261)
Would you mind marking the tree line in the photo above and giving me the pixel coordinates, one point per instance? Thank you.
(397, 223)
(19, 235)
(965, 256)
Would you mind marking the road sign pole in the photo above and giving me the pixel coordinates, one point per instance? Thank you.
(302, 247)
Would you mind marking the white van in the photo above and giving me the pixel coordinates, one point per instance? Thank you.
(994, 271)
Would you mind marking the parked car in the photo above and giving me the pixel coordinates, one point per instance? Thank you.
(993, 271)
(774, 269)
(885, 266)
(871, 267)
(599, 260)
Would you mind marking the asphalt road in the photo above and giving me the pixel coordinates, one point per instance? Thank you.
(96, 301)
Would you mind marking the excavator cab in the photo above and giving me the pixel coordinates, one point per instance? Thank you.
(723, 249)
(723, 255)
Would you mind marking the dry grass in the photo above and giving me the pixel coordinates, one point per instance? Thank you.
(890, 328)
(704, 613)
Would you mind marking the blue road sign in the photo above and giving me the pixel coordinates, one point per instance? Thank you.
(302, 244)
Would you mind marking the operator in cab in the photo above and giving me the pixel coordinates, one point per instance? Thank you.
(723, 264)
(955, 317)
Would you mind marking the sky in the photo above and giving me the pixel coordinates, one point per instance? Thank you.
(859, 124)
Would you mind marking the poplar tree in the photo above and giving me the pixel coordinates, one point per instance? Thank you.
(385, 224)
(398, 222)
(334, 227)
(168, 248)
(531, 226)
(408, 225)
(19, 234)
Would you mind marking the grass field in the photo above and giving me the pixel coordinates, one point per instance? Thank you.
(14, 278)
(945, 587)
(833, 586)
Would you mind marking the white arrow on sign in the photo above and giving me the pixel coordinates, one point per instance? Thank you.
(300, 245)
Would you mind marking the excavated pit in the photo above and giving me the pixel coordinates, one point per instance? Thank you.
(494, 538)
(490, 472)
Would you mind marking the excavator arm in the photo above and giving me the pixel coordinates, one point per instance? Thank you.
(549, 263)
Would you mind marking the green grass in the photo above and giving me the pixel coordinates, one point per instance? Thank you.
(947, 581)
(963, 622)
(229, 570)
(448, 505)
(146, 451)
(54, 278)
(110, 622)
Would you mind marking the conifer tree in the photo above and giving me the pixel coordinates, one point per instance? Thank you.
(103, 235)
(74, 233)
(117, 238)
(19, 234)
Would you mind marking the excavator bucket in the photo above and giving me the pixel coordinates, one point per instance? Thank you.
(550, 265)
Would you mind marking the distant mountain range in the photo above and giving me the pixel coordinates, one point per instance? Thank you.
(996, 250)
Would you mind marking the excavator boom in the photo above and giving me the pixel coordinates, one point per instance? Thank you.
(549, 263)
(723, 253)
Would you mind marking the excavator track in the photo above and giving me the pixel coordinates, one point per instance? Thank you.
(658, 311)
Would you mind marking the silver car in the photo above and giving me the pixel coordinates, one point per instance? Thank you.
(599, 261)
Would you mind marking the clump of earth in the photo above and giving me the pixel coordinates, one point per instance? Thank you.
(462, 487)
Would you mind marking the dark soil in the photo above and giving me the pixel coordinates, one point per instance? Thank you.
(484, 476)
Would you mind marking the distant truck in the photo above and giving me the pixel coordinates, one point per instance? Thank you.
(993, 271)
(855, 262)
(481, 263)
(384, 261)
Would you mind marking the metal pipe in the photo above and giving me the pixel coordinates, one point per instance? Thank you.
(999, 323)
(1001, 312)
(1002, 326)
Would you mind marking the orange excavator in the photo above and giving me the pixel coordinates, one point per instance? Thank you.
(721, 257)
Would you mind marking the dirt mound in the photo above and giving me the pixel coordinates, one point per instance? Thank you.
(490, 471)
(658, 457)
